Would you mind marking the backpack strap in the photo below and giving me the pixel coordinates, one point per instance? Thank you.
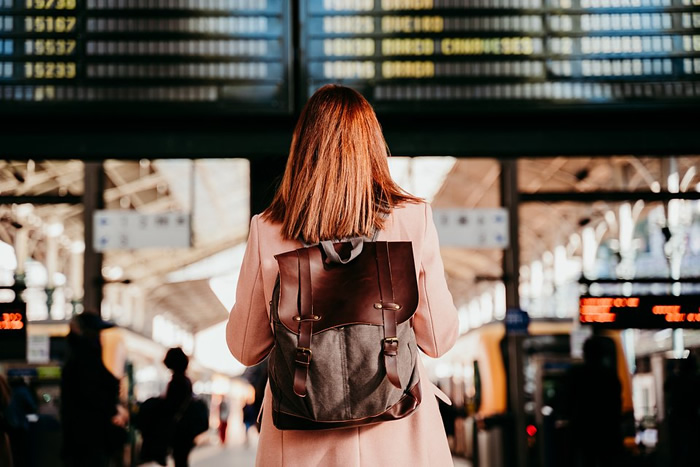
(334, 257)
(306, 320)
(389, 309)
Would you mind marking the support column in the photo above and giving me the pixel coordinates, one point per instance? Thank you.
(511, 270)
(93, 199)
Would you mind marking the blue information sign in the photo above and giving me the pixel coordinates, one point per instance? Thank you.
(516, 321)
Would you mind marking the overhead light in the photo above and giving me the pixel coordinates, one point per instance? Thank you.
(77, 247)
(23, 210)
(54, 229)
(112, 273)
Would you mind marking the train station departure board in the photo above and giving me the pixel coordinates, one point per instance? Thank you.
(222, 56)
(455, 55)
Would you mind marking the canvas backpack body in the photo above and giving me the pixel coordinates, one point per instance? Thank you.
(345, 353)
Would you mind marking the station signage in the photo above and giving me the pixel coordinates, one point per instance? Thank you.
(13, 331)
(120, 229)
(456, 56)
(641, 312)
(472, 228)
(163, 57)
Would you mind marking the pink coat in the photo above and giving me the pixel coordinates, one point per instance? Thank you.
(417, 440)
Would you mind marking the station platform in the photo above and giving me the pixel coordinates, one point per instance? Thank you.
(214, 455)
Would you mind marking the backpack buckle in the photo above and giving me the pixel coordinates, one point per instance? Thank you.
(387, 306)
(303, 356)
(391, 346)
(299, 319)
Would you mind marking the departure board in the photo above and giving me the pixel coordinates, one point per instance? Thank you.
(641, 312)
(224, 56)
(461, 55)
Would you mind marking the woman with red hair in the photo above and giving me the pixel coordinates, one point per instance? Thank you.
(337, 185)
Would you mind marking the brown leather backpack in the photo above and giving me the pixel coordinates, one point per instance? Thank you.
(345, 352)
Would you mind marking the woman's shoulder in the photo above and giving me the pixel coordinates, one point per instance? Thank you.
(407, 221)
(412, 211)
(269, 234)
(262, 220)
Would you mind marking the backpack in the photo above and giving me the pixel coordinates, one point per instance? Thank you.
(345, 353)
(195, 419)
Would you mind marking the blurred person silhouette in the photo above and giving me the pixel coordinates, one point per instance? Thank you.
(93, 419)
(22, 404)
(682, 387)
(256, 375)
(171, 422)
(178, 398)
(249, 419)
(224, 411)
(450, 414)
(5, 449)
(150, 418)
(595, 406)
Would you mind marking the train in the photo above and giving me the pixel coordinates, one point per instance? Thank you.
(477, 384)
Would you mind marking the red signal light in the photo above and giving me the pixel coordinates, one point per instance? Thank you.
(531, 430)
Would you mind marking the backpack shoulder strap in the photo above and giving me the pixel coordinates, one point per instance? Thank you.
(306, 320)
(389, 309)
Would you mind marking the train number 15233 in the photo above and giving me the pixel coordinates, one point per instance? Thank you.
(50, 70)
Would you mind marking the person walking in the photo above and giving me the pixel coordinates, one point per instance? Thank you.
(93, 419)
(5, 449)
(178, 397)
(224, 412)
(337, 185)
(595, 406)
(22, 404)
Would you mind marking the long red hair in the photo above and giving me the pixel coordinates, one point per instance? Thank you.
(336, 183)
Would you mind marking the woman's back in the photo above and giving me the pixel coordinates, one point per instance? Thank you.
(417, 440)
(337, 185)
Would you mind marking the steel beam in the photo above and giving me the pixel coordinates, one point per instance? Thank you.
(93, 199)
(511, 269)
(41, 199)
(589, 197)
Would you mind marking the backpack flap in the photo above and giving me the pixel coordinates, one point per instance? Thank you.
(345, 352)
(349, 291)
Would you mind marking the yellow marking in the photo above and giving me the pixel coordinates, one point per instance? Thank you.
(408, 47)
(412, 24)
(414, 69)
(407, 4)
(495, 46)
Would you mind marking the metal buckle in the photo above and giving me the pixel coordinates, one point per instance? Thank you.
(306, 352)
(391, 346)
(311, 318)
(388, 306)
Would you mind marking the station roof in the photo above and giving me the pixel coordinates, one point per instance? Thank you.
(221, 202)
(193, 302)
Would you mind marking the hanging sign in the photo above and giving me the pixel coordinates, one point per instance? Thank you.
(131, 230)
(472, 228)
